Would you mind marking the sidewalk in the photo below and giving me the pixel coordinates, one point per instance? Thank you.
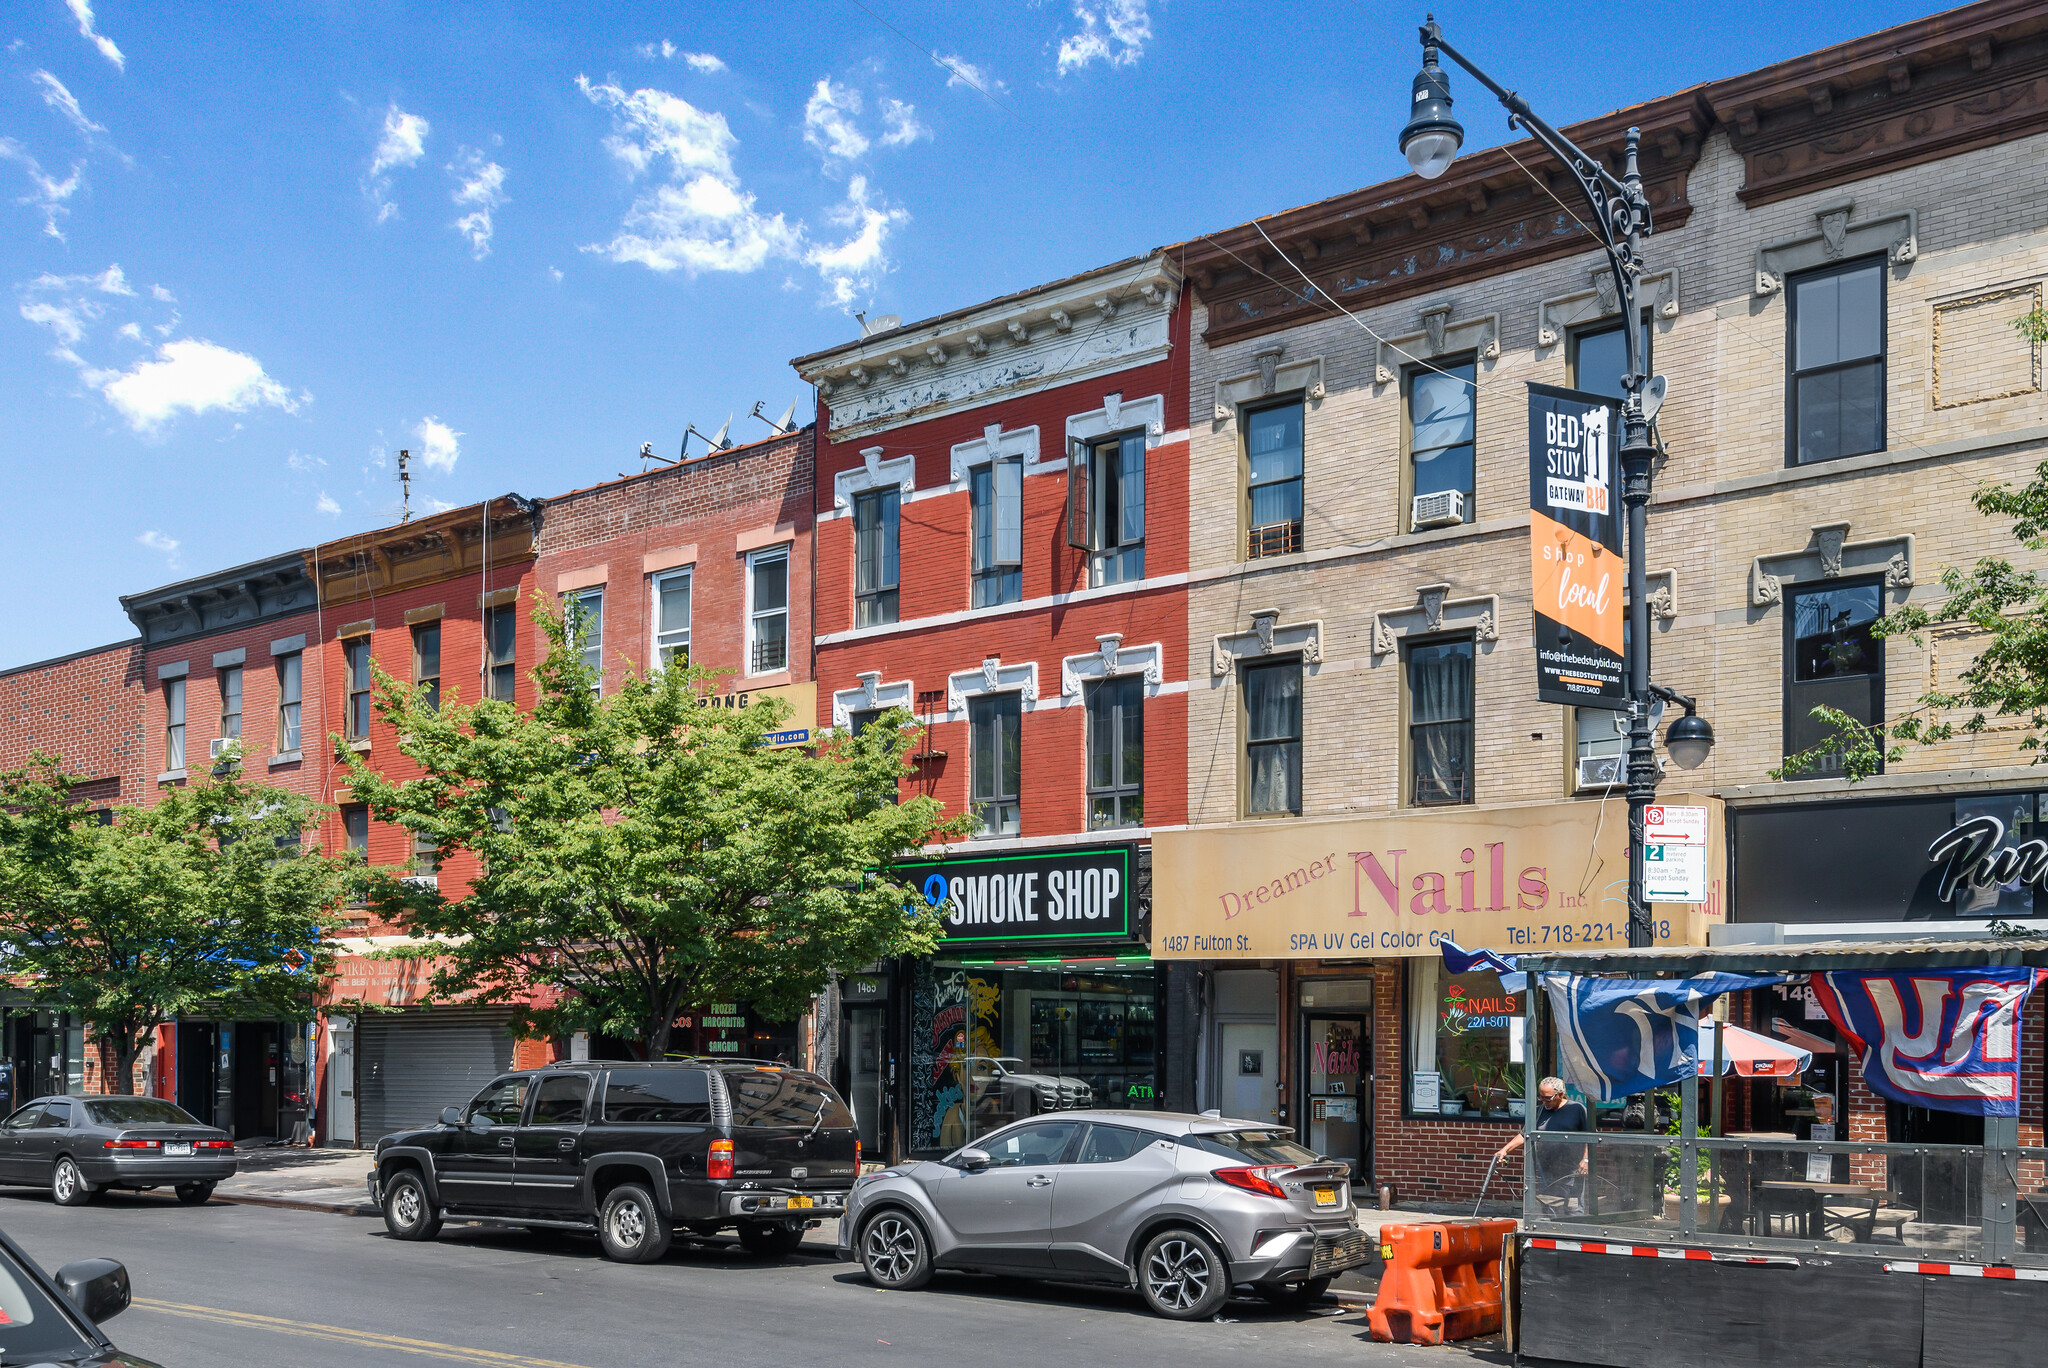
(305, 1179)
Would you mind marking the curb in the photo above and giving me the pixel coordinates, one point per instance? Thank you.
(1353, 1301)
(295, 1203)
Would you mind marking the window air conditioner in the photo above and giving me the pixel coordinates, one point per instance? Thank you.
(1445, 508)
(1601, 771)
(219, 746)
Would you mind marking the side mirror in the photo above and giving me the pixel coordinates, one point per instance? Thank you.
(97, 1287)
(973, 1160)
(451, 1116)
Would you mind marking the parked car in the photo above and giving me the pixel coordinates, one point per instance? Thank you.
(1007, 1086)
(1184, 1208)
(51, 1320)
(633, 1152)
(79, 1147)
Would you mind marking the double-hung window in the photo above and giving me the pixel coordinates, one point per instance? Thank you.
(1439, 699)
(1106, 506)
(1272, 738)
(995, 494)
(672, 619)
(355, 827)
(875, 523)
(501, 636)
(1272, 450)
(1599, 358)
(1440, 431)
(1836, 398)
(995, 746)
(586, 632)
(355, 659)
(174, 724)
(768, 610)
(290, 690)
(1833, 658)
(1599, 748)
(426, 662)
(426, 858)
(1116, 752)
(231, 702)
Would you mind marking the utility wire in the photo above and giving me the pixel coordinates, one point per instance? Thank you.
(938, 61)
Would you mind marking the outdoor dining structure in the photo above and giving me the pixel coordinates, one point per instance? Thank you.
(1825, 1153)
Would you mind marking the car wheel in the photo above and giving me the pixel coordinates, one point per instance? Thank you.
(1293, 1293)
(895, 1253)
(1182, 1276)
(194, 1194)
(67, 1185)
(631, 1226)
(771, 1239)
(408, 1209)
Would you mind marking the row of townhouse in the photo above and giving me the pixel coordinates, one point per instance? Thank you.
(1211, 593)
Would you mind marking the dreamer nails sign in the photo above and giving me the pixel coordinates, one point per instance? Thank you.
(1033, 895)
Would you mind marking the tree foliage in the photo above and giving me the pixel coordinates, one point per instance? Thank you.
(647, 851)
(203, 903)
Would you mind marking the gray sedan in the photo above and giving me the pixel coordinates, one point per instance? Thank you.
(79, 1147)
(1184, 1208)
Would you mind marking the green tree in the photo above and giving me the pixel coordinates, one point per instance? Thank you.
(641, 853)
(204, 902)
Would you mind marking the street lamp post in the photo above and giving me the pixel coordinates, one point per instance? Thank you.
(1621, 220)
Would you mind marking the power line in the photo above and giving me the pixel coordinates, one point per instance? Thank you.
(938, 61)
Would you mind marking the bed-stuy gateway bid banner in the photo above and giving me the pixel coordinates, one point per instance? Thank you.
(1576, 568)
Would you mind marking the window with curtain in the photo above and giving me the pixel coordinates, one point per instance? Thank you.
(174, 724)
(1440, 427)
(995, 751)
(768, 611)
(672, 618)
(1439, 680)
(1272, 737)
(996, 495)
(876, 516)
(1837, 319)
(1833, 658)
(1116, 752)
(355, 660)
(290, 691)
(1272, 449)
(587, 635)
(501, 636)
(231, 701)
(1116, 516)
(426, 661)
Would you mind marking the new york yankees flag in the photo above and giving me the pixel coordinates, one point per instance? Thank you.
(1948, 1039)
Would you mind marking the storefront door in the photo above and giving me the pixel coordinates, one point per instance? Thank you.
(1337, 1107)
(865, 1051)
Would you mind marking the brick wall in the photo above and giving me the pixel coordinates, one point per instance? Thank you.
(86, 708)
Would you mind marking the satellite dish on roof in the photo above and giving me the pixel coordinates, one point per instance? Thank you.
(880, 324)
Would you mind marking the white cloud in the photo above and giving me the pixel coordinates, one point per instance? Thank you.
(555, 274)
(51, 196)
(664, 48)
(965, 75)
(66, 320)
(192, 376)
(900, 127)
(59, 98)
(850, 267)
(828, 120)
(435, 505)
(161, 295)
(702, 61)
(131, 331)
(303, 463)
(113, 281)
(81, 10)
(482, 191)
(440, 445)
(402, 144)
(1112, 31)
(327, 506)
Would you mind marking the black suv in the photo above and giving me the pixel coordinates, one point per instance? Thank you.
(631, 1151)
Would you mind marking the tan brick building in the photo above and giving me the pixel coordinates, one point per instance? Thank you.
(1842, 243)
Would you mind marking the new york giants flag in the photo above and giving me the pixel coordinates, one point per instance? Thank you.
(1948, 1039)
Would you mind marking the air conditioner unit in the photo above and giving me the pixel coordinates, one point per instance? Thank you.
(222, 745)
(1445, 508)
(1602, 771)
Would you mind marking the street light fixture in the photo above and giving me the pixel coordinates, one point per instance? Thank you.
(1620, 219)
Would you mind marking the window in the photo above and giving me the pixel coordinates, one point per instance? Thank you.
(426, 662)
(1833, 658)
(174, 724)
(587, 635)
(996, 494)
(355, 657)
(1467, 1029)
(1112, 1144)
(875, 522)
(672, 619)
(1836, 399)
(560, 1100)
(1600, 358)
(1440, 424)
(995, 725)
(290, 689)
(1439, 698)
(501, 635)
(1599, 748)
(355, 826)
(1272, 450)
(1272, 735)
(658, 1095)
(426, 857)
(1106, 507)
(502, 1102)
(768, 611)
(784, 1098)
(1116, 752)
(231, 702)
(861, 719)
(1031, 1146)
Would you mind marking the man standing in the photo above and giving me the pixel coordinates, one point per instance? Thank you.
(1560, 1168)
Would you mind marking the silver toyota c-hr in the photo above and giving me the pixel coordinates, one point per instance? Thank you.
(1184, 1208)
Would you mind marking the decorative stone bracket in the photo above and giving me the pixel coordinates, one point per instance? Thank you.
(1111, 657)
(1837, 239)
(1119, 414)
(1434, 610)
(1831, 556)
(995, 444)
(1438, 336)
(1658, 293)
(874, 473)
(1663, 594)
(872, 695)
(1268, 636)
(992, 677)
(1272, 377)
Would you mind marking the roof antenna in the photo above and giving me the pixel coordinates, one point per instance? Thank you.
(404, 485)
(717, 442)
(782, 426)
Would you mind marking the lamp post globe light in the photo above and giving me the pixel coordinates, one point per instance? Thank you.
(1620, 219)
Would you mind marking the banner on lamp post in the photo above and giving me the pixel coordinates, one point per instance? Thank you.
(1575, 560)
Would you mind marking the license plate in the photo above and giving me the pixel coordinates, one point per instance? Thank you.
(1326, 1196)
(178, 1149)
(796, 1203)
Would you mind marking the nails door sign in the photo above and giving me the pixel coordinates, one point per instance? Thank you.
(1575, 560)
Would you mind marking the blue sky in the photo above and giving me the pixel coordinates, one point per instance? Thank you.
(255, 250)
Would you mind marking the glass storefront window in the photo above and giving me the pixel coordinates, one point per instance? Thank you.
(1466, 1031)
(995, 1044)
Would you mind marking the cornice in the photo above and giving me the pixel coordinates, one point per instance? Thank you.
(223, 601)
(426, 550)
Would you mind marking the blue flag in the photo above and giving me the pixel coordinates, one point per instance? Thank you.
(1458, 961)
(1623, 1036)
(1948, 1039)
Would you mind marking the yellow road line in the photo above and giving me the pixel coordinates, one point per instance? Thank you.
(362, 1339)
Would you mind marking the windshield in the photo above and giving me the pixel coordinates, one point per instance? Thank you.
(32, 1329)
(140, 1111)
(1254, 1146)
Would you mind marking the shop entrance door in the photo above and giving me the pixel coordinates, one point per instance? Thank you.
(864, 1061)
(1250, 1070)
(195, 1065)
(1337, 1086)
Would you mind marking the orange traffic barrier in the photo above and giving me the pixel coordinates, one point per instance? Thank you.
(1441, 1282)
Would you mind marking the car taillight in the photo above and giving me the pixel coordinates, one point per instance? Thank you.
(720, 1163)
(1257, 1179)
(213, 1144)
(132, 1144)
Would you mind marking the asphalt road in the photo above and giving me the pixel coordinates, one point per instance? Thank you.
(251, 1286)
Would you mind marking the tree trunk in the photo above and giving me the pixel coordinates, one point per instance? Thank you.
(117, 1050)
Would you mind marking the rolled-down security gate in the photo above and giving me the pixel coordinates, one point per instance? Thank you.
(409, 1065)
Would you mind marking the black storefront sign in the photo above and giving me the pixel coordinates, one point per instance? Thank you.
(1062, 895)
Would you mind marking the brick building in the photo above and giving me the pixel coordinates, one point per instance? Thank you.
(1001, 552)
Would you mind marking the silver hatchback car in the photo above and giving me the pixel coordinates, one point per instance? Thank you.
(1184, 1208)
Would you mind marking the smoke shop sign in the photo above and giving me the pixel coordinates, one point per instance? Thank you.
(1078, 894)
(1545, 877)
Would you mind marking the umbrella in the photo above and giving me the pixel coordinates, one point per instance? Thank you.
(1751, 1055)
